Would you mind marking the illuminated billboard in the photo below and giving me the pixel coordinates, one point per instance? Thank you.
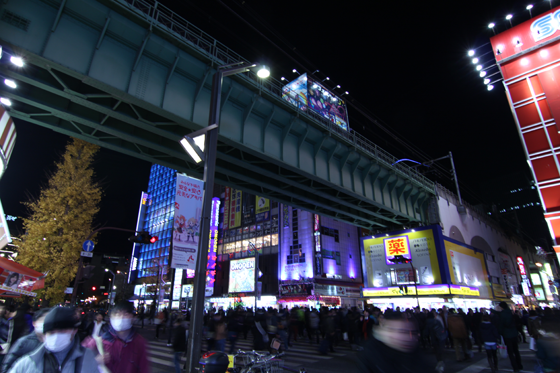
(417, 245)
(242, 276)
(396, 246)
(306, 93)
(295, 92)
(326, 104)
(527, 56)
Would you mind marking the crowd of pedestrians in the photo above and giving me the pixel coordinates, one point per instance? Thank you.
(71, 340)
(77, 340)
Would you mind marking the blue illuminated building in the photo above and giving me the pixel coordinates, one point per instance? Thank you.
(155, 216)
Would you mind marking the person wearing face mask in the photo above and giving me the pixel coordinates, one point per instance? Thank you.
(26, 344)
(393, 348)
(125, 351)
(61, 351)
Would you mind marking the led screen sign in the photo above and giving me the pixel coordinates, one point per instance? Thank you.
(242, 276)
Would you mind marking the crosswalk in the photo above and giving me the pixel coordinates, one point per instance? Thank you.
(300, 354)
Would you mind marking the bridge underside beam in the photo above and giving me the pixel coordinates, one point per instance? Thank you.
(55, 97)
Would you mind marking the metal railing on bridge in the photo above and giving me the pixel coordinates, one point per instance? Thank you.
(179, 28)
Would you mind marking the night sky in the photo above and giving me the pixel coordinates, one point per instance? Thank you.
(405, 66)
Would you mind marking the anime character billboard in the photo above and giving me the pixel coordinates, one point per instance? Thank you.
(186, 228)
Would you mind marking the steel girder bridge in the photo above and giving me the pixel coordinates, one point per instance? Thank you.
(134, 77)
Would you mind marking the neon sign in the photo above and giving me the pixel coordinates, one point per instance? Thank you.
(521, 266)
(212, 247)
(523, 272)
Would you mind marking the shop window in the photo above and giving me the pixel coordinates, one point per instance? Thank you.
(266, 241)
(274, 240)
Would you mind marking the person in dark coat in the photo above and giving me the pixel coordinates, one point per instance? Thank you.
(259, 331)
(490, 337)
(179, 343)
(548, 344)
(393, 348)
(26, 344)
(506, 327)
(432, 328)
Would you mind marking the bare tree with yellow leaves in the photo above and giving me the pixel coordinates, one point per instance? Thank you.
(61, 219)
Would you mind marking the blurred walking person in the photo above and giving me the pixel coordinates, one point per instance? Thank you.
(179, 343)
(491, 338)
(393, 348)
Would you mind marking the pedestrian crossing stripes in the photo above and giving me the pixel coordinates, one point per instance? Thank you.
(300, 354)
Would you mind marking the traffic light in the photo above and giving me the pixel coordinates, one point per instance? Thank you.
(93, 288)
(143, 238)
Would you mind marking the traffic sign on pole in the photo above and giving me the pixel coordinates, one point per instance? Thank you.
(89, 254)
(88, 245)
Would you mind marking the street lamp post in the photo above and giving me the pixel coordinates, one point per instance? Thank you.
(211, 147)
(111, 287)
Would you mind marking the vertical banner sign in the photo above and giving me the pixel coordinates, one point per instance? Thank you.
(226, 208)
(235, 208)
(177, 283)
(317, 239)
(212, 247)
(186, 228)
(262, 209)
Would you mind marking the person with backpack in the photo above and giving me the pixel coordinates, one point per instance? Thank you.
(436, 332)
(491, 338)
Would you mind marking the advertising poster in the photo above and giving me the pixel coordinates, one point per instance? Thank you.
(17, 280)
(467, 267)
(421, 250)
(242, 276)
(186, 228)
(326, 104)
(235, 208)
(262, 209)
(295, 92)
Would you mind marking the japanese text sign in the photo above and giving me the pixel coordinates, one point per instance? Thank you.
(186, 227)
(396, 246)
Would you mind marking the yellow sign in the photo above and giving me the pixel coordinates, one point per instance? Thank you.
(263, 204)
(433, 290)
(443, 289)
(464, 290)
(231, 359)
(420, 246)
(397, 246)
(235, 208)
(393, 291)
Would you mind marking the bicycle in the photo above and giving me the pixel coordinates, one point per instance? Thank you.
(254, 362)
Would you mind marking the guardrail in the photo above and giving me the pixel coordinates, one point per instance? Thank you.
(177, 27)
